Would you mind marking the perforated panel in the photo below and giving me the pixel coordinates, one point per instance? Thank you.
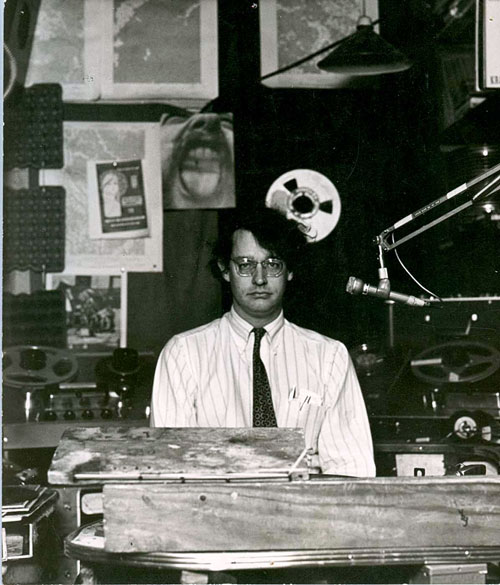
(33, 129)
(34, 228)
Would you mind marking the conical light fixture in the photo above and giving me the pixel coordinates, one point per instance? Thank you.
(364, 53)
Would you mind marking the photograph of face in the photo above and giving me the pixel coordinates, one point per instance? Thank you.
(114, 184)
(197, 161)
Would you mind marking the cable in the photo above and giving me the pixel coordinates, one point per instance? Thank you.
(412, 277)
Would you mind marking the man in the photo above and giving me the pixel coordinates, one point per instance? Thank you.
(252, 367)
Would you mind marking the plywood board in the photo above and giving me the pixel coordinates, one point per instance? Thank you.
(96, 454)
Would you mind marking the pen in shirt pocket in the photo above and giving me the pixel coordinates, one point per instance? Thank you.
(305, 397)
(306, 400)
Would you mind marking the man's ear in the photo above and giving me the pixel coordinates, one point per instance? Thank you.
(289, 276)
(224, 270)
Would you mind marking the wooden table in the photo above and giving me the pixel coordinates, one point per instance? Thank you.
(185, 499)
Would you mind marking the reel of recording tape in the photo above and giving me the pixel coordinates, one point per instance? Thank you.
(34, 367)
(309, 198)
(456, 362)
(28, 372)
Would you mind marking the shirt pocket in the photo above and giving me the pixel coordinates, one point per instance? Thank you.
(301, 402)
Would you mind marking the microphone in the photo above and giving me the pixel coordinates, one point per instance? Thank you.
(356, 286)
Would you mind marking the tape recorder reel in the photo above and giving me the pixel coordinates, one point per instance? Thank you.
(456, 362)
(29, 372)
(458, 367)
(34, 367)
(308, 198)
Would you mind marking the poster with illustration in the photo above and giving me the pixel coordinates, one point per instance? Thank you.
(197, 159)
(117, 199)
(93, 309)
(131, 150)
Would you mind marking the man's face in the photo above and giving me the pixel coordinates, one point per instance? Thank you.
(257, 298)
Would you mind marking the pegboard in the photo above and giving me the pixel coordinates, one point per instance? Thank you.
(33, 131)
(34, 229)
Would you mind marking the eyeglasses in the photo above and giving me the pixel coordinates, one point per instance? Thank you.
(247, 267)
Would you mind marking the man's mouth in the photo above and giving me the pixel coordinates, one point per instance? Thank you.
(260, 294)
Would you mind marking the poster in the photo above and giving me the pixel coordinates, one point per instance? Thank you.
(117, 198)
(93, 309)
(197, 159)
(128, 50)
(133, 244)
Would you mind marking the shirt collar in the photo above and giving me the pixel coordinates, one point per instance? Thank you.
(242, 329)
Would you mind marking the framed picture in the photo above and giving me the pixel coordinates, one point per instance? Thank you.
(95, 309)
(156, 49)
(133, 150)
(292, 29)
(128, 50)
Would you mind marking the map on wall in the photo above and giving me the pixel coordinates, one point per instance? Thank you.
(60, 51)
(128, 49)
(293, 29)
(98, 141)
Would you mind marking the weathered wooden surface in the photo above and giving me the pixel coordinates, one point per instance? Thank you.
(118, 453)
(346, 514)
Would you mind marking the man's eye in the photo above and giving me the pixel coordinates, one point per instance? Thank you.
(276, 264)
(245, 265)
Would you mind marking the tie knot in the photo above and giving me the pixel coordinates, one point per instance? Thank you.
(259, 333)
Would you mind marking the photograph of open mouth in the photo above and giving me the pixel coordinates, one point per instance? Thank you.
(197, 161)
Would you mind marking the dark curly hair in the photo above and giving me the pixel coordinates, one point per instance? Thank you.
(280, 236)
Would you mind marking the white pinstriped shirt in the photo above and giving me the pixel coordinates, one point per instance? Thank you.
(203, 378)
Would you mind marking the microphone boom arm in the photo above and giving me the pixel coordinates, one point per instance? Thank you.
(491, 186)
(383, 290)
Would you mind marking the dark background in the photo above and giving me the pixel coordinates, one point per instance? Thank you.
(385, 148)
(382, 149)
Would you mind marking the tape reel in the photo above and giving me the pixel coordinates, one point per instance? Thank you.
(456, 362)
(35, 367)
(309, 198)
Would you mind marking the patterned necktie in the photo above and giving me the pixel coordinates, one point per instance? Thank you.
(263, 411)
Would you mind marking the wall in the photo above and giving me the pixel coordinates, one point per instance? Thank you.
(381, 147)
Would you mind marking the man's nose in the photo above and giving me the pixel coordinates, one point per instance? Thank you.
(259, 276)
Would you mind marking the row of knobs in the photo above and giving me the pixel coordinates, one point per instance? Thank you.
(87, 414)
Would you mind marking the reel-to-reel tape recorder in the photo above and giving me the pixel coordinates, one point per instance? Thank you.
(440, 380)
(40, 384)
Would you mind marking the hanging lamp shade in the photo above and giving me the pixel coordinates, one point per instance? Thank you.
(364, 53)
